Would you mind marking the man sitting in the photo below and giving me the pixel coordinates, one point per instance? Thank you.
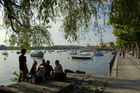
(48, 69)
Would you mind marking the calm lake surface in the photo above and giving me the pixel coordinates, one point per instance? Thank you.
(97, 65)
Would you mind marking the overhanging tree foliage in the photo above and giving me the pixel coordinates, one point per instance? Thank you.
(29, 20)
(125, 18)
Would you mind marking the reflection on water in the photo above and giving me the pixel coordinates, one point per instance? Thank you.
(97, 65)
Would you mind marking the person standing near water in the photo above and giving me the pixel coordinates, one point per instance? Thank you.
(22, 66)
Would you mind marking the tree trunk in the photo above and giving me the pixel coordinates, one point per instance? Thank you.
(138, 44)
(131, 47)
(128, 48)
(138, 49)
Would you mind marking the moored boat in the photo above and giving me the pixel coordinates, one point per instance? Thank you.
(84, 55)
(37, 54)
(4, 53)
(99, 54)
(73, 52)
(113, 52)
(18, 52)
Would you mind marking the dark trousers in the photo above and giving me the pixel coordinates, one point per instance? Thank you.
(22, 76)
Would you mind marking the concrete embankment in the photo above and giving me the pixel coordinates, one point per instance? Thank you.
(114, 66)
(75, 83)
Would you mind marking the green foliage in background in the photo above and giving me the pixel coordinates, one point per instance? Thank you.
(125, 18)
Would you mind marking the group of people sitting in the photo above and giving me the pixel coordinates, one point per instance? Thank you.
(45, 71)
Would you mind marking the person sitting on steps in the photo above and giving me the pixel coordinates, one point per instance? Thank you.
(33, 71)
(58, 72)
(48, 69)
(58, 68)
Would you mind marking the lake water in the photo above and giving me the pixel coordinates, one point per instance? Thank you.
(97, 65)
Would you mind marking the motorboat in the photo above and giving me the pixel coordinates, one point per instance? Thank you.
(4, 53)
(83, 55)
(37, 54)
(72, 52)
(99, 54)
(113, 52)
(18, 52)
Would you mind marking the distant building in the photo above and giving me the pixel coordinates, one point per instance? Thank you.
(106, 44)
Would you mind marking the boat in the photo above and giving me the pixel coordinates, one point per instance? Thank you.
(51, 50)
(18, 52)
(99, 54)
(73, 52)
(4, 53)
(83, 55)
(37, 54)
(64, 50)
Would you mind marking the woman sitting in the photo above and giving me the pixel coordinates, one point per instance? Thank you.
(58, 68)
(58, 71)
(33, 71)
(40, 74)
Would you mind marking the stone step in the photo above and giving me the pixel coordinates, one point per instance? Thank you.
(44, 87)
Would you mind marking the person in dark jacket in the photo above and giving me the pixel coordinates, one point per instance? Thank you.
(48, 69)
(22, 66)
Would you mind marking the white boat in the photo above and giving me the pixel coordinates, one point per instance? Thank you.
(18, 52)
(4, 53)
(73, 52)
(83, 55)
(37, 54)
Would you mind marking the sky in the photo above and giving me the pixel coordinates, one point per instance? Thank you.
(58, 36)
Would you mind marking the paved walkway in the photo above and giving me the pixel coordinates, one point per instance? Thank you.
(128, 76)
(129, 68)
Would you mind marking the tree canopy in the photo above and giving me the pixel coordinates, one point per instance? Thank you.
(125, 18)
(28, 21)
